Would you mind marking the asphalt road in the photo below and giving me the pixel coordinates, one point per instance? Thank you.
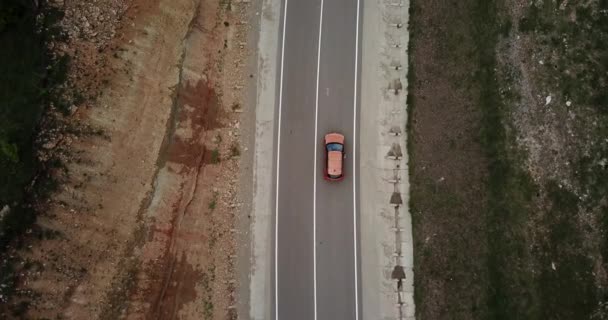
(315, 220)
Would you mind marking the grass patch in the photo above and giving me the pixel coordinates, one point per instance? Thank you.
(530, 269)
(581, 65)
(213, 202)
(207, 281)
(512, 283)
(235, 151)
(564, 264)
(226, 4)
(215, 156)
(573, 41)
(449, 220)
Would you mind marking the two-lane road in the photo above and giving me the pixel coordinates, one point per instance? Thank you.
(316, 263)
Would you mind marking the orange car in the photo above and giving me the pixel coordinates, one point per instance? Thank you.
(334, 157)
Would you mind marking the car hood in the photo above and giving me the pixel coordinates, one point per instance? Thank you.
(334, 138)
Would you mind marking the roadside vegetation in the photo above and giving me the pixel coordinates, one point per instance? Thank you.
(29, 80)
(509, 159)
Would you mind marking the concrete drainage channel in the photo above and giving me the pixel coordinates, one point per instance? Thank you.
(386, 229)
(393, 18)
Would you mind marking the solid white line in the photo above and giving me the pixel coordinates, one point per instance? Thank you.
(276, 204)
(355, 165)
(315, 144)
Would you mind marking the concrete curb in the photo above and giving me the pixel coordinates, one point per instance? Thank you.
(262, 216)
(386, 229)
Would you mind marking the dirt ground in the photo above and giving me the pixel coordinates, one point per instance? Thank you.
(143, 223)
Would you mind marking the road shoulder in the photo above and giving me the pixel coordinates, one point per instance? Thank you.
(386, 232)
(258, 259)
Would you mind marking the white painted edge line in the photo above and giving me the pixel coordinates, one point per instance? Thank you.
(315, 144)
(276, 204)
(355, 164)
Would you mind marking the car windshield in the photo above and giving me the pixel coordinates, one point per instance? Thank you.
(334, 147)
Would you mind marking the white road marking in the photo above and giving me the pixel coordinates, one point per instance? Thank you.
(314, 191)
(315, 164)
(276, 204)
(355, 165)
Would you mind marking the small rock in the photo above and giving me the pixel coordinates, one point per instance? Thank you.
(50, 145)
(547, 100)
(568, 103)
(6, 209)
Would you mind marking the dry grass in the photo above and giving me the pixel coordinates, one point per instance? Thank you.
(508, 192)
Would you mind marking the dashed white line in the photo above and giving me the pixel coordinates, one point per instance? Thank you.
(276, 205)
(315, 163)
(355, 165)
(314, 201)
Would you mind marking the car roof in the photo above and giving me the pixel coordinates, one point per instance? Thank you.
(334, 163)
(334, 138)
